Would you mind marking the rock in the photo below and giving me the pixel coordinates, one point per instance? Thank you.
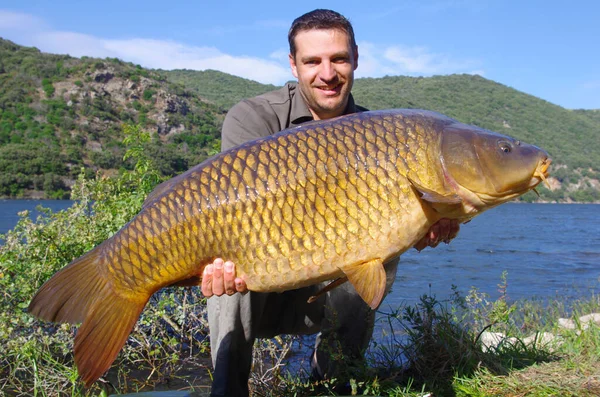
(588, 319)
(542, 340)
(491, 341)
(584, 321)
(566, 323)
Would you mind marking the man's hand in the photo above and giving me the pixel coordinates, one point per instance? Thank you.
(443, 230)
(219, 278)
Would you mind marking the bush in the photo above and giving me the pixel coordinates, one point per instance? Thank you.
(148, 93)
(35, 357)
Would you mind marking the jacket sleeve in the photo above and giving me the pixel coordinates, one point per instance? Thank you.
(247, 121)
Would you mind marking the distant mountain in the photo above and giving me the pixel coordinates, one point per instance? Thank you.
(59, 114)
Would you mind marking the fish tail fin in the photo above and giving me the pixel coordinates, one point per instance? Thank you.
(103, 334)
(81, 293)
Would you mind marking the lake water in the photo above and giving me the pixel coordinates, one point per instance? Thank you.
(548, 250)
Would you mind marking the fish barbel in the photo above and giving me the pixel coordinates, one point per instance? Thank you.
(328, 199)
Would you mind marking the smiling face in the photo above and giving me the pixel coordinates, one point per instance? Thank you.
(324, 65)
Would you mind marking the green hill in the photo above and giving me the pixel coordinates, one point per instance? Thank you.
(220, 88)
(60, 114)
(570, 136)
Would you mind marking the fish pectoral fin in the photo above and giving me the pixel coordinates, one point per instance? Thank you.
(334, 284)
(435, 197)
(369, 280)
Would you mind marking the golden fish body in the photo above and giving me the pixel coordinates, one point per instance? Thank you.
(288, 210)
(324, 200)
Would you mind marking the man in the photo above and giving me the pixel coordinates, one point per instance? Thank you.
(323, 57)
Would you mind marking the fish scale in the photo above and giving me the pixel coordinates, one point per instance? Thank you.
(312, 159)
(325, 200)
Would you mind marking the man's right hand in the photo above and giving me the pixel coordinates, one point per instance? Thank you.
(219, 278)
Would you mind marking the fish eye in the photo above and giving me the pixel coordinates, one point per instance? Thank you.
(505, 146)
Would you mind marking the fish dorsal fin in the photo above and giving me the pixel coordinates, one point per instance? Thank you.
(369, 280)
(159, 190)
(433, 197)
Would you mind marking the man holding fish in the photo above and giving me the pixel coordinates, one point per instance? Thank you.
(339, 199)
(323, 57)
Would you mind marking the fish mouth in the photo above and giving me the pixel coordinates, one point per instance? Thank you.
(541, 173)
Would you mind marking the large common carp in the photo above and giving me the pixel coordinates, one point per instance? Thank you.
(325, 200)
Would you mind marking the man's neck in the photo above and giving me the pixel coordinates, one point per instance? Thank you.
(328, 115)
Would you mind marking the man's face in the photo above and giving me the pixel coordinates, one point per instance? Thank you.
(324, 65)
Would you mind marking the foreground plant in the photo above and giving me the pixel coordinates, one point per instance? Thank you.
(35, 357)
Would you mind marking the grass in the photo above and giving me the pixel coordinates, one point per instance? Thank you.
(432, 349)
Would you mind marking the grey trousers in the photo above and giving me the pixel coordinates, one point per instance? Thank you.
(344, 320)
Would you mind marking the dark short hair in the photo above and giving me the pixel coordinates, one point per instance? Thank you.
(320, 19)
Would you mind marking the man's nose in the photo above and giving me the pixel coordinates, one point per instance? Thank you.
(328, 72)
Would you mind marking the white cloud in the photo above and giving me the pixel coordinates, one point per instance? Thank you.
(281, 55)
(376, 60)
(172, 55)
(10, 20)
(163, 54)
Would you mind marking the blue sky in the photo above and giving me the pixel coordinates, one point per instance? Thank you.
(549, 49)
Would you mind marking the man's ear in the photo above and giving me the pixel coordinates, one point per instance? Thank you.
(293, 65)
(355, 57)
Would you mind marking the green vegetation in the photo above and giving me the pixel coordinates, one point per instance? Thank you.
(74, 108)
(59, 114)
(35, 357)
(220, 88)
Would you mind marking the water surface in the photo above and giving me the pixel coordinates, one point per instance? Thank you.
(547, 250)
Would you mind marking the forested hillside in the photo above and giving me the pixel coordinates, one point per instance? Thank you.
(59, 115)
(220, 88)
